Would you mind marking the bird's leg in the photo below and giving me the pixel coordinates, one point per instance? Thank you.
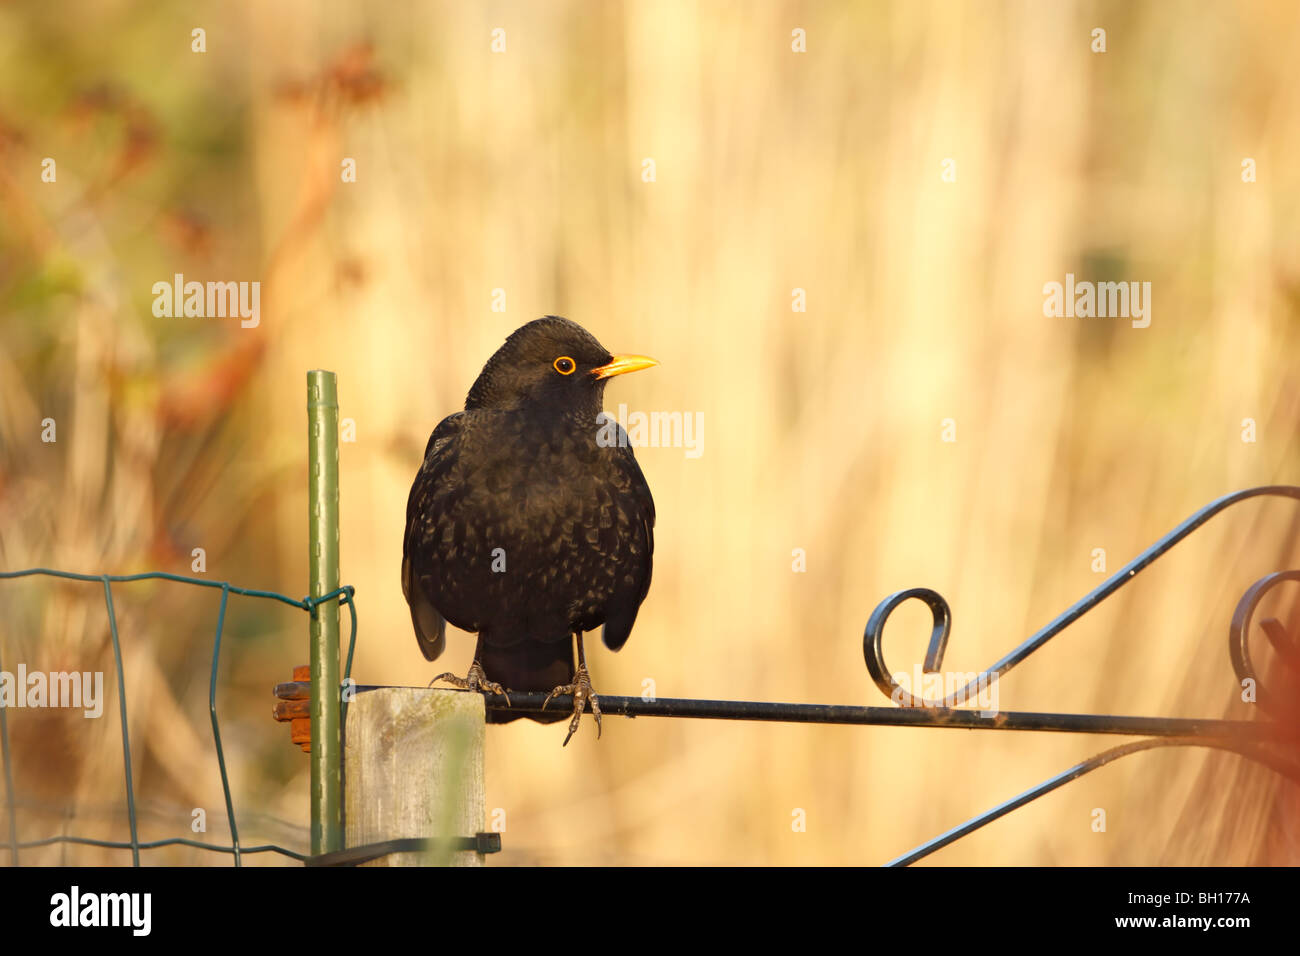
(582, 692)
(476, 680)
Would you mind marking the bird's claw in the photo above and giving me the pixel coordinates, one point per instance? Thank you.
(582, 692)
(476, 681)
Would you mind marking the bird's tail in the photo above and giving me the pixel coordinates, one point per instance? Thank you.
(527, 667)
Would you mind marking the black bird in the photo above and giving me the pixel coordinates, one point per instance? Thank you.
(530, 520)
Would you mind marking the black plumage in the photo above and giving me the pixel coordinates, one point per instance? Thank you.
(526, 524)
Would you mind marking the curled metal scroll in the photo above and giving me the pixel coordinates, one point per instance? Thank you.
(873, 637)
(1281, 760)
(1239, 639)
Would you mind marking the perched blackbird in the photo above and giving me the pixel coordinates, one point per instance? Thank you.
(526, 524)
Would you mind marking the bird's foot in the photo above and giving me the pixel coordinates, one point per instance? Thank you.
(582, 692)
(475, 681)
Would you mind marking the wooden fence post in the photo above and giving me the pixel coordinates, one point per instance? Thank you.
(413, 767)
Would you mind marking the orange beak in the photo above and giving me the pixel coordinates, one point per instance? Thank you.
(622, 364)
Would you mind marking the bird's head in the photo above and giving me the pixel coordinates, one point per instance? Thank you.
(550, 362)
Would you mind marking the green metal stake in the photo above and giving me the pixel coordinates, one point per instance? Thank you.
(323, 521)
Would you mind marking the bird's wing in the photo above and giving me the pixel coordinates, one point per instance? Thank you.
(430, 626)
(639, 511)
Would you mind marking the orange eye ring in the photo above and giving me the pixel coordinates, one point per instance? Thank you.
(565, 365)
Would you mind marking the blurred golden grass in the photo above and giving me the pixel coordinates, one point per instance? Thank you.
(775, 170)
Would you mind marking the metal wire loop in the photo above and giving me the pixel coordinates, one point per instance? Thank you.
(873, 636)
(1239, 638)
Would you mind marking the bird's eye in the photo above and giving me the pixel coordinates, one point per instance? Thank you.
(564, 365)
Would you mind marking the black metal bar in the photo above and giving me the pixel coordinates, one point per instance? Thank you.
(894, 716)
(356, 855)
(1289, 770)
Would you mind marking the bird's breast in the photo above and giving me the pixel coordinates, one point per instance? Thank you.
(533, 527)
(542, 486)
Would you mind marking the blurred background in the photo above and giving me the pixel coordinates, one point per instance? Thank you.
(524, 170)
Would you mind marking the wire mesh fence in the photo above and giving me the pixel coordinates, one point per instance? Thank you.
(343, 595)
